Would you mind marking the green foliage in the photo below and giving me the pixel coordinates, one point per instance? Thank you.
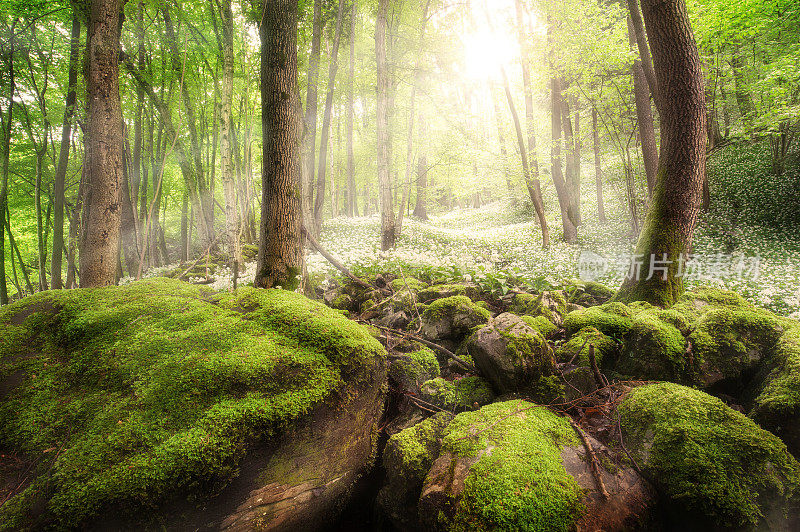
(580, 343)
(461, 394)
(712, 461)
(160, 387)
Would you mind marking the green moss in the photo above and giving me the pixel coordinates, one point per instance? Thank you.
(343, 302)
(454, 304)
(547, 304)
(415, 368)
(461, 394)
(778, 402)
(249, 252)
(581, 341)
(521, 483)
(447, 290)
(612, 319)
(712, 461)
(541, 324)
(410, 453)
(408, 282)
(733, 339)
(426, 359)
(159, 388)
(654, 349)
(367, 305)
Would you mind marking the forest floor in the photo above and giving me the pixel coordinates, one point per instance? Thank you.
(498, 246)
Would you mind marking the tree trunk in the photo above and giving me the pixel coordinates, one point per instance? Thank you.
(644, 114)
(382, 128)
(128, 232)
(319, 199)
(226, 148)
(744, 98)
(103, 159)
(533, 191)
(309, 132)
(502, 141)
(532, 175)
(641, 43)
(598, 169)
(570, 230)
(674, 207)
(352, 208)
(573, 166)
(280, 254)
(202, 201)
(63, 156)
(185, 228)
(6, 156)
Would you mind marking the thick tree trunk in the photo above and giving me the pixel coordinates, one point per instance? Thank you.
(382, 128)
(226, 148)
(319, 199)
(309, 133)
(103, 160)
(63, 156)
(672, 215)
(280, 253)
(598, 169)
(352, 207)
(644, 114)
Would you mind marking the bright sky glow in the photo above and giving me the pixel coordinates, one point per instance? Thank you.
(485, 52)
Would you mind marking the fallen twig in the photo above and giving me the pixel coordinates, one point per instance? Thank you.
(593, 459)
(461, 362)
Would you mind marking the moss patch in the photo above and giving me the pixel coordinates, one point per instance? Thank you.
(521, 483)
(655, 349)
(541, 324)
(612, 319)
(714, 462)
(458, 395)
(579, 345)
(159, 387)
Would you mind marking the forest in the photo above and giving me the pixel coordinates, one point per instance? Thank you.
(400, 265)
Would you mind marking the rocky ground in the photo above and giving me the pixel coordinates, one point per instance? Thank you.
(396, 405)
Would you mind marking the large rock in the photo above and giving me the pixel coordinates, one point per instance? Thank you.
(518, 466)
(511, 354)
(718, 467)
(440, 291)
(467, 393)
(411, 370)
(549, 304)
(452, 318)
(163, 405)
(407, 458)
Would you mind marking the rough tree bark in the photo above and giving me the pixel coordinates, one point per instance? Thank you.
(6, 155)
(280, 254)
(382, 127)
(570, 229)
(319, 198)
(103, 159)
(672, 215)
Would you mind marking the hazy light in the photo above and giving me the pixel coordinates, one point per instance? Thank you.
(485, 52)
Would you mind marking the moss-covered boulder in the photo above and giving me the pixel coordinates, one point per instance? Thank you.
(654, 349)
(776, 406)
(411, 370)
(440, 291)
(518, 466)
(551, 305)
(407, 458)
(511, 355)
(588, 293)
(467, 393)
(718, 467)
(545, 327)
(612, 319)
(576, 348)
(164, 405)
(452, 318)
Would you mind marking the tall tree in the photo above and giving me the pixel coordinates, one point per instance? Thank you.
(644, 113)
(352, 208)
(598, 169)
(5, 223)
(103, 160)
(569, 226)
(63, 155)
(310, 118)
(226, 148)
(280, 254)
(382, 128)
(532, 175)
(666, 237)
(326, 123)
